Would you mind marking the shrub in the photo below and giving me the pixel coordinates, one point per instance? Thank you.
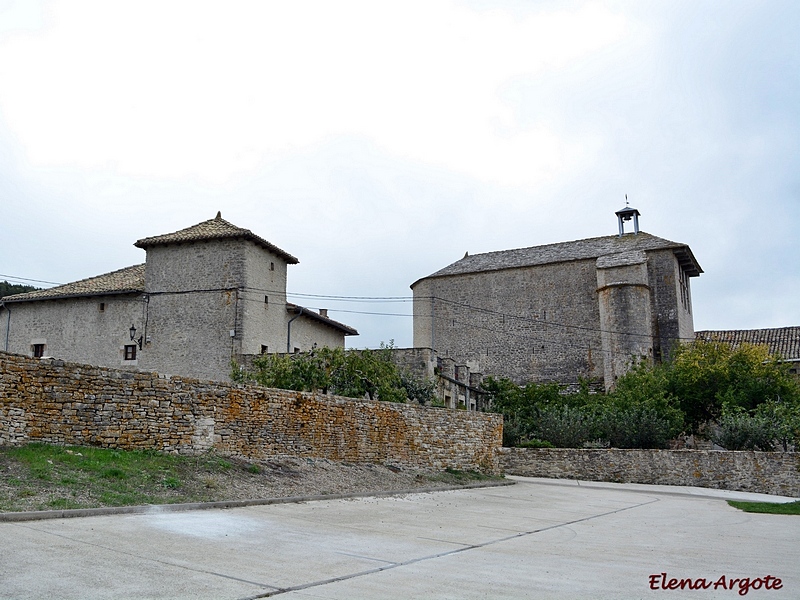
(738, 430)
(352, 373)
(535, 443)
(564, 426)
(639, 426)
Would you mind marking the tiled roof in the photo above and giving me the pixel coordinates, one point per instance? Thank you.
(783, 341)
(312, 314)
(213, 229)
(124, 281)
(569, 251)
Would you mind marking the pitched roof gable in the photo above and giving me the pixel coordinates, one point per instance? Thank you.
(213, 229)
(568, 251)
(782, 341)
(125, 281)
(315, 316)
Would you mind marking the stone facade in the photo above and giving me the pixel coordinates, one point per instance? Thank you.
(763, 472)
(587, 308)
(205, 295)
(63, 403)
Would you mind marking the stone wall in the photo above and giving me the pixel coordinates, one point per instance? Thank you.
(764, 472)
(65, 403)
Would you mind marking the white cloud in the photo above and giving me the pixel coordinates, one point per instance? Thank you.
(175, 89)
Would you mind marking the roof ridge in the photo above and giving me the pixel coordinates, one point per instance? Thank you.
(569, 251)
(213, 229)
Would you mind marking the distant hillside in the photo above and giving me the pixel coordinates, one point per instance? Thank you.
(8, 289)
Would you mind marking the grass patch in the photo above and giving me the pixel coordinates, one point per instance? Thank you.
(772, 508)
(44, 477)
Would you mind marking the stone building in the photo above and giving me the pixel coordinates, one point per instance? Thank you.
(205, 295)
(559, 312)
(456, 385)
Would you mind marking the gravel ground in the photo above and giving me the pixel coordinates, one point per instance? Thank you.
(276, 478)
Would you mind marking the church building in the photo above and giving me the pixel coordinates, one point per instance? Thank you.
(556, 313)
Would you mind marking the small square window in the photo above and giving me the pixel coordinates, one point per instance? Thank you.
(130, 352)
(263, 349)
(38, 350)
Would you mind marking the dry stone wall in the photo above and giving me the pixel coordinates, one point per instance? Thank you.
(763, 472)
(65, 403)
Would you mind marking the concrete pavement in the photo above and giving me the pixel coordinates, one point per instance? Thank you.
(536, 539)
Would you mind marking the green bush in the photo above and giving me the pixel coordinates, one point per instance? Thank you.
(739, 430)
(639, 426)
(535, 443)
(351, 373)
(564, 426)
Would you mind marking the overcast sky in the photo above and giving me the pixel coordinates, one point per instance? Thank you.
(380, 141)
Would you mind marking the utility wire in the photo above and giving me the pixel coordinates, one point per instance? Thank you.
(395, 299)
(26, 279)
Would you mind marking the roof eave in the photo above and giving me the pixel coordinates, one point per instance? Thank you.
(11, 299)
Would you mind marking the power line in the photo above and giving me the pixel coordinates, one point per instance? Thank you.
(27, 279)
(402, 299)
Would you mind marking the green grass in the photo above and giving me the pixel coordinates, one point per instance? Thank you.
(44, 477)
(82, 477)
(772, 508)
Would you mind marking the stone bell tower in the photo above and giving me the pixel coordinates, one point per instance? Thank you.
(623, 294)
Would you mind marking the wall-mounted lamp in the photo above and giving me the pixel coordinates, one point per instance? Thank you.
(132, 331)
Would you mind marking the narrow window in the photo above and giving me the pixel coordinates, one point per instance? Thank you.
(684, 285)
(38, 350)
(272, 266)
(102, 307)
(130, 352)
(266, 299)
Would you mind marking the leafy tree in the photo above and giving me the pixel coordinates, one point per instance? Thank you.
(352, 373)
(9, 289)
(707, 376)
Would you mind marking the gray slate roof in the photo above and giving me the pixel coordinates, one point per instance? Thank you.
(569, 251)
(213, 229)
(783, 341)
(125, 281)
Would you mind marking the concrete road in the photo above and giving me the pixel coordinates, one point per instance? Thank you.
(536, 539)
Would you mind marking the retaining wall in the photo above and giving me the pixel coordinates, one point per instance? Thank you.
(765, 472)
(65, 403)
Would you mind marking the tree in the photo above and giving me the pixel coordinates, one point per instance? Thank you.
(351, 373)
(706, 376)
(9, 289)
